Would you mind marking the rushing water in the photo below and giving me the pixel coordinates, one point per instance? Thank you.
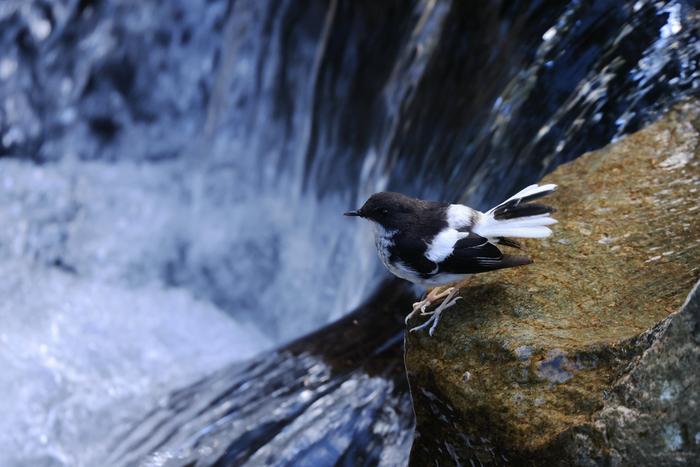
(173, 178)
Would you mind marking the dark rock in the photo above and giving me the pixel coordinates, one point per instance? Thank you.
(653, 416)
(335, 397)
(562, 369)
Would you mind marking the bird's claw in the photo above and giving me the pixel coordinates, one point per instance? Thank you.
(453, 301)
(423, 326)
(418, 306)
(447, 305)
(436, 314)
(423, 305)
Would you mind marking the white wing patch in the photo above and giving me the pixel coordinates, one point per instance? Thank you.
(459, 216)
(443, 244)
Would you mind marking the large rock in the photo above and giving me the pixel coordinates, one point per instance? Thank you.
(588, 356)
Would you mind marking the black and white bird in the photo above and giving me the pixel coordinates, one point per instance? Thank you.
(435, 244)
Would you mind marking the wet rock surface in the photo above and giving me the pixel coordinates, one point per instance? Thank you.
(338, 396)
(553, 363)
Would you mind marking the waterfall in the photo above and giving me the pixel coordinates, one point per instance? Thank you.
(174, 173)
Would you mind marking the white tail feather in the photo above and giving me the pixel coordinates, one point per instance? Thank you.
(532, 221)
(525, 192)
(520, 227)
(493, 231)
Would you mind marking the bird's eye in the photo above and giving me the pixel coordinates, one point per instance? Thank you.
(385, 212)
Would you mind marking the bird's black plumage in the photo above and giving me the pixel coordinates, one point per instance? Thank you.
(475, 254)
(409, 232)
(432, 243)
(410, 250)
(471, 255)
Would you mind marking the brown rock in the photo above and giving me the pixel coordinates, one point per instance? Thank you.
(552, 363)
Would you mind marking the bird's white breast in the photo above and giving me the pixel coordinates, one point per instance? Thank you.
(383, 240)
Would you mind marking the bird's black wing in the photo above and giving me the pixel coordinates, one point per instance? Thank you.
(410, 250)
(475, 254)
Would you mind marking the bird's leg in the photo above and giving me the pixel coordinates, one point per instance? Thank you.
(432, 296)
(435, 315)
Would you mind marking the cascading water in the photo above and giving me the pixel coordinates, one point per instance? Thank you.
(172, 190)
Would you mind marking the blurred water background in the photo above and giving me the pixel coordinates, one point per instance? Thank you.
(173, 173)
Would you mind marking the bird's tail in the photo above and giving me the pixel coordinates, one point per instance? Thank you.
(517, 217)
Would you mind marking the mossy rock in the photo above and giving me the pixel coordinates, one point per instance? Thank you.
(535, 365)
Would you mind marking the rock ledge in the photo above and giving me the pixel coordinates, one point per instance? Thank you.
(583, 356)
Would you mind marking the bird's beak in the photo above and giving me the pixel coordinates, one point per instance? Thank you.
(356, 212)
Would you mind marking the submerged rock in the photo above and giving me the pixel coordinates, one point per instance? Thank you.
(588, 356)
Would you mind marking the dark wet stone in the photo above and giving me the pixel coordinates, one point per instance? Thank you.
(338, 396)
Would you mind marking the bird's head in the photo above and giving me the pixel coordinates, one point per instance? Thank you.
(390, 210)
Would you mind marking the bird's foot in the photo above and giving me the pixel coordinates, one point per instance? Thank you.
(432, 296)
(435, 315)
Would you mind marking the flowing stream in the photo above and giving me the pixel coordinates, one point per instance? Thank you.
(172, 179)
